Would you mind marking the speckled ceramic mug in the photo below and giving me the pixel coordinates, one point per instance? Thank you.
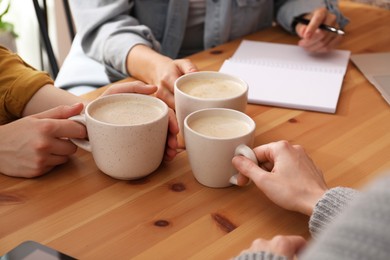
(208, 89)
(126, 134)
(213, 137)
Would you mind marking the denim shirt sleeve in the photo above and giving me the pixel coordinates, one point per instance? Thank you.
(286, 10)
(108, 33)
(331, 5)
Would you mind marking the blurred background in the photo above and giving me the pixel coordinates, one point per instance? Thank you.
(29, 45)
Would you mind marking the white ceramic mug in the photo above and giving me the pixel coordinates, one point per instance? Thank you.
(208, 89)
(126, 134)
(213, 137)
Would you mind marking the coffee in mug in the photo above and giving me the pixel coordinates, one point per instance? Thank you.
(126, 134)
(219, 126)
(125, 112)
(213, 137)
(212, 88)
(208, 89)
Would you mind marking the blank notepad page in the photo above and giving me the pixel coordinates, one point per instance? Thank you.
(288, 76)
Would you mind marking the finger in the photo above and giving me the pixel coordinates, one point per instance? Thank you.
(317, 37)
(330, 44)
(298, 242)
(267, 153)
(287, 245)
(62, 147)
(50, 162)
(267, 166)
(258, 242)
(321, 46)
(131, 87)
(186, 66)
(171, 147)
(317, 18)
(172, 142)
(300, 30)
(173, 124)
(55, 160)
(248, 168)
(165, 95)
(33, 173)
(170, 154)
(61, 112)
(264, 153)
(71, 129)
(242, 180)
(61, 128)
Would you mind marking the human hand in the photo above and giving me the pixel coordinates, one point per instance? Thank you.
(166, 75)
(142, 88)
(35, 144)
(288, 246)
(314, 39)
(287, 175)
(172, 143)
(130, 87)
(154, 68)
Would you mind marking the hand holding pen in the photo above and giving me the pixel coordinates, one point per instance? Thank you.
(322, 26)
(318, 31)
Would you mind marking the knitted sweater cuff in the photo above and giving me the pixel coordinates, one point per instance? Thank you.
(328, 207)
(259, 256)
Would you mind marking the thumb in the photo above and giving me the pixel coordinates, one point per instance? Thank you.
(300, 30)
(187, 67)
(294, 245)
(131, 87)
(61, 112)
(248, 168)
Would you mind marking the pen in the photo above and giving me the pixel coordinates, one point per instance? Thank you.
(322, 26)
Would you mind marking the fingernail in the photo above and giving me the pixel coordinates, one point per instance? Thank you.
(76, 104)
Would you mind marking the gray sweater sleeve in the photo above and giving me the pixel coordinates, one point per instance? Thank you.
(260, 256)
(328, 207)
(360, 231)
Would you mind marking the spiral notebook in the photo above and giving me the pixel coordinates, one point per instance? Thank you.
(287, 76)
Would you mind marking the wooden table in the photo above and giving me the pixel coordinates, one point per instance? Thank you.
(80, 211)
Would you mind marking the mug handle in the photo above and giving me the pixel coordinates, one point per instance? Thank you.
(82, 143)
(247, 152)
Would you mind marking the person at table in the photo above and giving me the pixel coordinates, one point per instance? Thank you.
(345, 223)
(147, 39)
(34, 125)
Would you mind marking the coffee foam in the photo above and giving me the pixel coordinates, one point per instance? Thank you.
(209, 88)
(220, 126)
(125, 112)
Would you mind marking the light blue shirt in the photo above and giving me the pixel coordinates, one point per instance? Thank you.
(109, 29)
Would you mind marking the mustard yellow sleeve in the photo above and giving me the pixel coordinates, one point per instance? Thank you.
(18, 83)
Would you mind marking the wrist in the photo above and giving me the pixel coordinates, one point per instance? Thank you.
(142, 63)
(311, 202)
